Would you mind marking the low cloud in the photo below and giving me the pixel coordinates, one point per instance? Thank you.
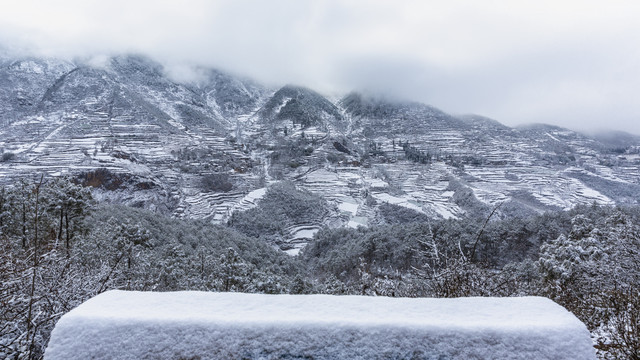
(572, 64)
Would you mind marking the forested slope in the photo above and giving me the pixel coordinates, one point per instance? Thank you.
(61, 247)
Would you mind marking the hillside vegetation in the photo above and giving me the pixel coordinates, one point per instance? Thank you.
(61, 247)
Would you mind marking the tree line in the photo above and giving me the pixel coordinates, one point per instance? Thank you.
(60, 247)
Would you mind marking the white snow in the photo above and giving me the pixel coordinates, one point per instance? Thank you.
(31, 67)
(357, 221)
(377, 183)
(137, 325)
(553, 137)
(295, 251)
(404, 201)
(250, 200)
(305, 233)
(348, 205)
(255, 195)
(443, 211)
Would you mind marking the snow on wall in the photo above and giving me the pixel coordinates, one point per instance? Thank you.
(145, 325)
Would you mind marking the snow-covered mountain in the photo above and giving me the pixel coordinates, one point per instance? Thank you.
(208, 146)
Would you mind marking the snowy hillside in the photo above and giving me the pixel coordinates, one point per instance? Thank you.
(204, 146)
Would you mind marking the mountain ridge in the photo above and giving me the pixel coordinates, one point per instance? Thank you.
(168, 142)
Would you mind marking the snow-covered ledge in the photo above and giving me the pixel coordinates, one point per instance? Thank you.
(200, 325)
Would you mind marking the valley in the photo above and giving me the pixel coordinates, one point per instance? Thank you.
(211, 147)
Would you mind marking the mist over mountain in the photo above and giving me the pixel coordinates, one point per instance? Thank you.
(133, 175)
(206, 146)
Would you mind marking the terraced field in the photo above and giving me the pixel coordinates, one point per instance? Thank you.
(157, 139)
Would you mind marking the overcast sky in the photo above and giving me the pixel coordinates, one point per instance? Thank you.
(573, 63)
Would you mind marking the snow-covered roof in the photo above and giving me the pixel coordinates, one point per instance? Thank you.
(137, 325)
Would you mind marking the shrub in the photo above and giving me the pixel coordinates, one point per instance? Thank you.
(216, 182)
(8, 156)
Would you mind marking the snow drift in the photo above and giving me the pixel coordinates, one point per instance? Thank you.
(199, 325)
